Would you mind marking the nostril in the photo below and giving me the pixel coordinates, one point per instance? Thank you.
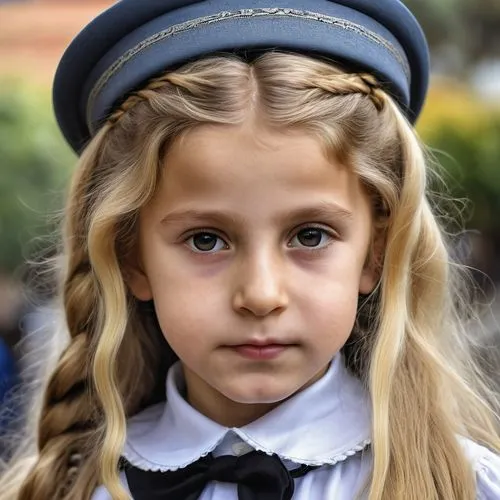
(260, 305)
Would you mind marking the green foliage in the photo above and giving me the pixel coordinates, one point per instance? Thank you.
(471, 159)
(470, 27)
(35, 164)
(464, 132)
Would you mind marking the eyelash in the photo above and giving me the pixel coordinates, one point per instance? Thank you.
(329, 233)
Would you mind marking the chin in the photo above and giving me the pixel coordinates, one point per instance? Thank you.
(260, 395)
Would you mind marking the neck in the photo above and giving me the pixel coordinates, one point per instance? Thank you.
(222, 410)
(218, 408)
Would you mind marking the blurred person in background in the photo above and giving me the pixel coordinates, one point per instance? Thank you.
(10, 335)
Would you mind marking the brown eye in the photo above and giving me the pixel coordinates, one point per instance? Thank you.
(206, 243)
(311, 237)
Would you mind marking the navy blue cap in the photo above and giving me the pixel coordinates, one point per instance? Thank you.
(136, 40)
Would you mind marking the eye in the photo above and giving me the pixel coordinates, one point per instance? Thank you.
(205, 242)
(311, 237)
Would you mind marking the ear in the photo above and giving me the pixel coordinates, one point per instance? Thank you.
(138, 281)
(369, 279)
(372, 270)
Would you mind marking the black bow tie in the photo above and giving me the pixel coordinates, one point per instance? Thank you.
(258, 476)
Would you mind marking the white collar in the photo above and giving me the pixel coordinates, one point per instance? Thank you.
(324, 424)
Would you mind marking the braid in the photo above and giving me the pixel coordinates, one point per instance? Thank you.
(374, 90)
(65, 394)
(65, 429)
(144, 94)
(353, 83)
(70, 416)
(338, 84)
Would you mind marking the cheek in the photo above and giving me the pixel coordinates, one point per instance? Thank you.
(184, 308)
(330, 301)
(333, 305)
(177, 309)
(180, 327)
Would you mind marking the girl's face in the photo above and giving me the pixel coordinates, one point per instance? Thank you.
(253, 250)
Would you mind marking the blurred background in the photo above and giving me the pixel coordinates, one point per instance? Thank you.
(461, 123)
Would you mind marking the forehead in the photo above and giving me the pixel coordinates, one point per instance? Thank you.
(249, 162)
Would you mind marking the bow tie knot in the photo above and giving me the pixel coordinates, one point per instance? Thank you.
(223, 469)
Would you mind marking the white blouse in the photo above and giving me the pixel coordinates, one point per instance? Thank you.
(326, 425)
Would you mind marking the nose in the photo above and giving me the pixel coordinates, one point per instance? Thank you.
(260, 286)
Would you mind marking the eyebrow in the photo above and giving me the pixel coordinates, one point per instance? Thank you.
(321, 211)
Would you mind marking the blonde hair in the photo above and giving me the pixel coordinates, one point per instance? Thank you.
(409, 345)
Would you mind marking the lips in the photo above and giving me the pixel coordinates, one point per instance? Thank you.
(261, 350)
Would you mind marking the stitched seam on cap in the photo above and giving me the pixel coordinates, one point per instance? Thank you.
(242, 13)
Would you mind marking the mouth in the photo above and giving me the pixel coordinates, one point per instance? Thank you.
(261, 350)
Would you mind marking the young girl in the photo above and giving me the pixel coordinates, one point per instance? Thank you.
(259, 300)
